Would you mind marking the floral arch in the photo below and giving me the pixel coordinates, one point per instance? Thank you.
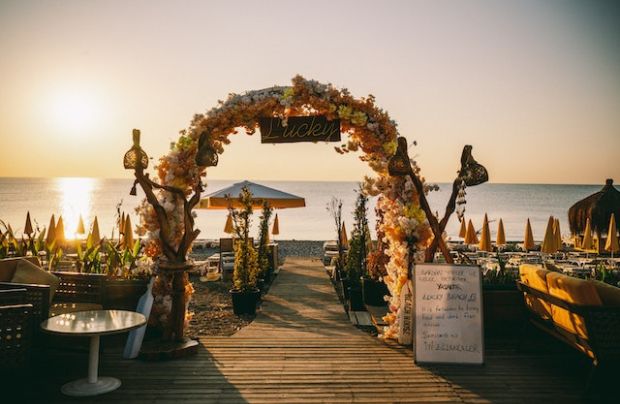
(403, 226)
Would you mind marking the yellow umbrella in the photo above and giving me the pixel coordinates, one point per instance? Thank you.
(128, 238)
(94, 234)
(80, 227)
(528, 240)
(51, 231)
(557, 234)
(28, 227)
(228, 227)
(463, 230)
(586, 243)
(548, 245)
(60, 231)
(470, 234)
(612, 238)
(501, 235)
(121, 225)
(485, 237)
(344, 240)
(275, 230)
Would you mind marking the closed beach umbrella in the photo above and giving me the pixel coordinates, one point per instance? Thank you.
(557, 234)
(344, 240)
(463, 230)
(128, 238)
(470, 234)
(51, 231)
(501, 234)
(121, 225)
(28, 227)
(80, 226)
(228, 227)
(60, 231)
(275, 230)
(485, 237)
(612, 238)
(528, 239)
(95, 236)
(548, 245)
(586, 243)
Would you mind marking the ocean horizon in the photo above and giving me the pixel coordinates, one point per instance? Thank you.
(72, 196)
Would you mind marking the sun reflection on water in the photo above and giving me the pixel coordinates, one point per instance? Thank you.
(75, 200)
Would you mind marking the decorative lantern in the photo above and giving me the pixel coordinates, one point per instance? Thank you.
(399, 164)
(472, 173)
(136, 157)
(206, 156)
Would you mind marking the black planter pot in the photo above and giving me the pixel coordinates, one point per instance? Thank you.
(356, 299)
(123, 294)
(344, 287)
(374, 291)
(244, 302)
(261, 283)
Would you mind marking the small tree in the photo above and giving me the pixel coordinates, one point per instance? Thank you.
(358, 246)
(263, 238)
(246, 257)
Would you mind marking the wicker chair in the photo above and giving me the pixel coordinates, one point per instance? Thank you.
(16, 326)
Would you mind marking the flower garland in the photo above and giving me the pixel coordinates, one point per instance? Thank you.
(370, 131)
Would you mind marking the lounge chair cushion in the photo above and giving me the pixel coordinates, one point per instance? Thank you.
(27, 272)
(536, 277)
(8, 266)
(571, 290)
(610, 295)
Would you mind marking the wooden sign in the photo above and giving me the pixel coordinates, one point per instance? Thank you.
(448, 326)
(299, 129)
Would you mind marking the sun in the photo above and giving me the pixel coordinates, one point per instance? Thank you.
(74, 111)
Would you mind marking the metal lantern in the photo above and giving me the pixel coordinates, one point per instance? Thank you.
(135, 157)
(473, 173)
(399, 164)
(206, 156)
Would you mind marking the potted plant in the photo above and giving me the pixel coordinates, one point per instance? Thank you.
(127, 273)
(264, 259)
(374, 289)
(356, 256)
(502, 302)
(244, 293)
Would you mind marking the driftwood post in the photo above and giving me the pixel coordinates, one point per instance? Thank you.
(471, 173)
(175, 264)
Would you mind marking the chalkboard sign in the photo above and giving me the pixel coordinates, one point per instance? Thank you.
(448, 324)
(299, 129)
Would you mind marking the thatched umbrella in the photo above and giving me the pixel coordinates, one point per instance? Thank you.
(598, 207)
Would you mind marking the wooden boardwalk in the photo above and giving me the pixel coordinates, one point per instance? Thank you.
(302, 348)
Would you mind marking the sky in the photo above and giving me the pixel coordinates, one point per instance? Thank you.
(533, 86)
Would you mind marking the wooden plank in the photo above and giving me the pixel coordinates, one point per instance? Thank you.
(301, 348)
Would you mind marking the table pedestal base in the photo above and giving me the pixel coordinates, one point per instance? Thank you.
(82, 387)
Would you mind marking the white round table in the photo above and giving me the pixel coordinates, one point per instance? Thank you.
(93, 323)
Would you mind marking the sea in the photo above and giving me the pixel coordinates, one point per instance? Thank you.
(104, 198)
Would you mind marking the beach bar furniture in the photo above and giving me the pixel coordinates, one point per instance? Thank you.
(584, 314)
(16, 323)
(53, 293)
